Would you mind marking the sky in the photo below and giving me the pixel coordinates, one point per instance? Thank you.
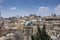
(9, 8)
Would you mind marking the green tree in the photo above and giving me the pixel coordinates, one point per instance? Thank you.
(45, 36)
(38, 35)
(32, 37)
(41, 34)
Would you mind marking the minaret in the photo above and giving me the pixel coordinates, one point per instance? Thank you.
(17, 16)
(0, 13)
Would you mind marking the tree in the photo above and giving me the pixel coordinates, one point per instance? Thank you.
(45, 36)
(41, 34)
(32, 37)
(38, 35)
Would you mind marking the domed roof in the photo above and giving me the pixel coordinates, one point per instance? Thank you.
(27, 23)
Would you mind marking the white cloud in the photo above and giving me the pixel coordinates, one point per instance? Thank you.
(13, 8)
(57, 9)
(44, 10)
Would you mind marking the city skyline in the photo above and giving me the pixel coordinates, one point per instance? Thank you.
(10, 8)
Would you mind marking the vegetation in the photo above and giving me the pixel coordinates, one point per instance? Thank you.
(41, 34)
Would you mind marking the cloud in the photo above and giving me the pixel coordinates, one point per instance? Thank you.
(57, 9)
(44, 9)
(13, 8)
